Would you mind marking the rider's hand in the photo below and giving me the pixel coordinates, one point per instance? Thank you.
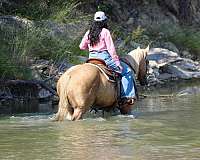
(120, 68)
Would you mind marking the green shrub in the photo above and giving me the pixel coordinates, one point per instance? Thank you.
(11, 66)
(32, 42)
(184, 37)
(187, 37)
(58, 10)
(138, 36)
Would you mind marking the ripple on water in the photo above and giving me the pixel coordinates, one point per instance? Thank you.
(163, 129)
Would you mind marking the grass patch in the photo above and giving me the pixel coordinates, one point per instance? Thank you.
(11, 66)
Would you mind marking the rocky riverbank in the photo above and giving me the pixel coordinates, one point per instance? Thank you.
(164, 66)
(39, 41)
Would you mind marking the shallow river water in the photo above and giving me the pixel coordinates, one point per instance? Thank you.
(163, 127)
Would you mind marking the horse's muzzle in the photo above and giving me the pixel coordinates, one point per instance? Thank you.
(144, 81)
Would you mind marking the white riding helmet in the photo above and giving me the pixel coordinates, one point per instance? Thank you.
(100, 16)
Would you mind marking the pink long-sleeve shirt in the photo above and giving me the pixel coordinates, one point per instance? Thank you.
(105, 43)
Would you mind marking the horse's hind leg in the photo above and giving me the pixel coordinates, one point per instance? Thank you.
(78, 113)
(64, 112)
(60, 115)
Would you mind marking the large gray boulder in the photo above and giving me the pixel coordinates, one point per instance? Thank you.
(166, 65)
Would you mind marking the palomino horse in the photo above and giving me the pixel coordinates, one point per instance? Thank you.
(84, 86)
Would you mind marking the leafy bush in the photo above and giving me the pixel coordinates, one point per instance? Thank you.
(8, 61)
(37, 41)
(138, 37)
(186, 37)
(58, 10)
(182, 36)
(11, 65)
(32, 42)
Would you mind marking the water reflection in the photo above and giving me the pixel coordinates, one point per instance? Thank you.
(26, 106)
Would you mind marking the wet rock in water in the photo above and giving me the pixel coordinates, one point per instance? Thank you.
(187, 54)
(185, 69)
(18, 96)
(166, 65)
(189, 91)
(165, 76)
(178, 72)
(44, 94)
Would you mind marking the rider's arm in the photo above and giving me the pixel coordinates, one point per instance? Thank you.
(84, 43)
(110, 47)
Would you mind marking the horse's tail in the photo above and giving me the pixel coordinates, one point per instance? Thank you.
(64, 105)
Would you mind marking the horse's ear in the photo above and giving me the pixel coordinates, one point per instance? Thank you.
(147, 50)
(138, 47)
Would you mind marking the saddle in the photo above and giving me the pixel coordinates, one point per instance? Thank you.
(112, 75)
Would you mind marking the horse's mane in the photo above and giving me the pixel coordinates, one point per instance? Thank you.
(135, 56)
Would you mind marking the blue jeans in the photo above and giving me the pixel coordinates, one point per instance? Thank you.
(104, 55)
(128, 88)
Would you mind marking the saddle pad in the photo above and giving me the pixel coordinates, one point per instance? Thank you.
(109, 74)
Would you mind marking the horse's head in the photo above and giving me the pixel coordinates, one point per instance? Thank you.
(138, 61)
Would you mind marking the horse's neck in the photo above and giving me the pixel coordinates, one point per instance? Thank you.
(134, 58)
(133, 62)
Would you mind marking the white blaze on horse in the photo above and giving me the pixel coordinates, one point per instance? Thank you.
(84, 86)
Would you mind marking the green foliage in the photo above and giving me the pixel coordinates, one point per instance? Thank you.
(117, 31)
(32, 42)
(138, 36)
(187, 37)
(37, 41)
(106, 7)
(58, 10)
(183, 36)
(73, 51)
(35, 9)
(10, 61)
(11, 66)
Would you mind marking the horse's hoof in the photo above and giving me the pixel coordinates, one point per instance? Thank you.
(126, 109)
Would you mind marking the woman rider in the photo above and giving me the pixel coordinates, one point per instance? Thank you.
(99, 42)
